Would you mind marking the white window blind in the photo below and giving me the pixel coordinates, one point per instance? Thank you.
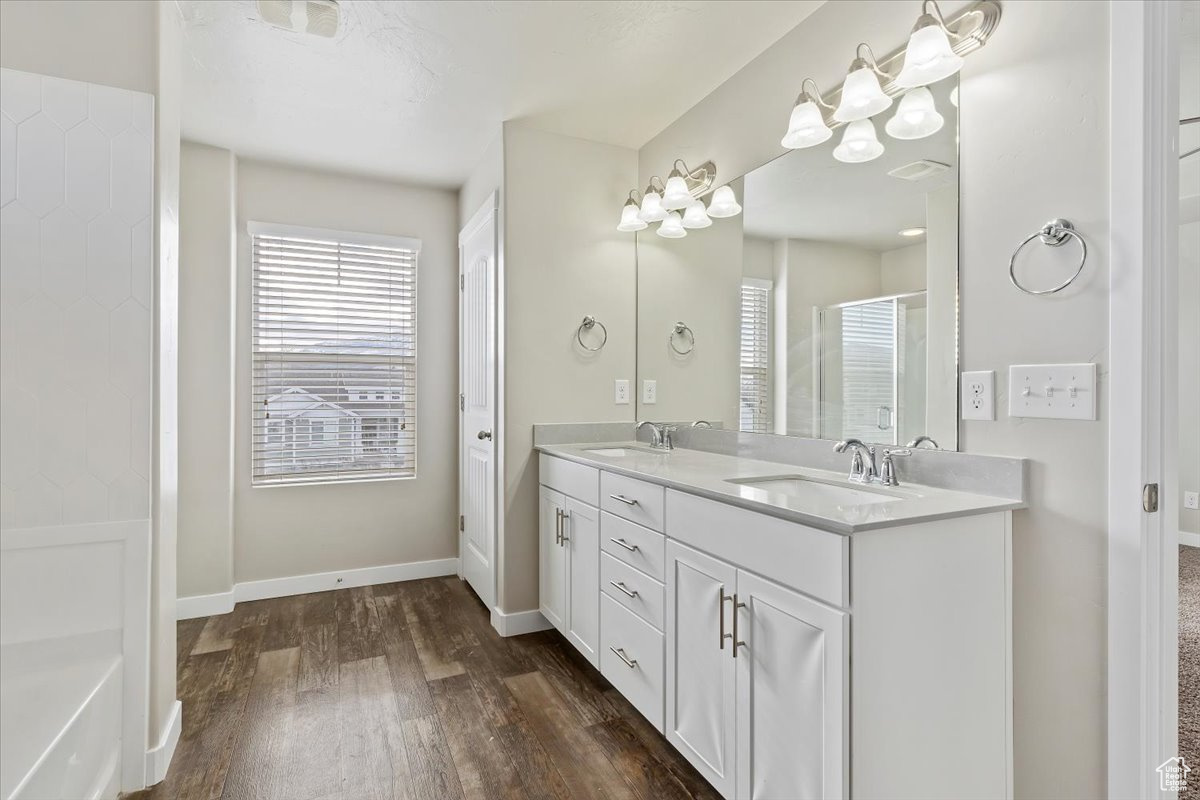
(869, 370)
(754, 357)
(335, 355)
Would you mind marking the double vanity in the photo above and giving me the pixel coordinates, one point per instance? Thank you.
(792, 633)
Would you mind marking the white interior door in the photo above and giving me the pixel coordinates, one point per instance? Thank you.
(477, 402)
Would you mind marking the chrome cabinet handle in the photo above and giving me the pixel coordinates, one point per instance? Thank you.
(558, 526)
(630, 547)
(734, 636)
(620, 653)
(563, 538)
(623, 499)
(721, 617)
(624, 589)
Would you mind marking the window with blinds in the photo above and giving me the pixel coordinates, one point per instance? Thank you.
(334, 356)
(754, 357)
(870, 370)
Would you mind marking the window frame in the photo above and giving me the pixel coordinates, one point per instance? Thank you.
(255, 229)
(767, 288)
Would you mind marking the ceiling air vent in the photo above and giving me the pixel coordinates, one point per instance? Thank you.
(918, 170)
(318, 17)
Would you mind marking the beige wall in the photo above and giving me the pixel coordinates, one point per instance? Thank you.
(297, 530)
(563, 259)
(1014, 176)
(758, 258)
(207, 259)
(902, 270)
(487, 177)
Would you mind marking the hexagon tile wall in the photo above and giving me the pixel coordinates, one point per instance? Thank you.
(76, 192)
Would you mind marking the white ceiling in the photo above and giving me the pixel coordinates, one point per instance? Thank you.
(808, 194)
(417, 90)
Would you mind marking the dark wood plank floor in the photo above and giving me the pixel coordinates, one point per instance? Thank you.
(402, 690)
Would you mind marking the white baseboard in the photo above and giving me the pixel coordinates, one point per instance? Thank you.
(1190, 539)
(158, 758)
(222, 603)
(519, 622)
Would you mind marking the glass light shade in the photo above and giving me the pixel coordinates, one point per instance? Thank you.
(954, 97)
(652, 208)
(696, 216)
(676, 195)
(806, 128)
(928, 58)
(859, 143)
(861, 96)
(672, 227)
(916, 117)
(724, 204)
(630, 221)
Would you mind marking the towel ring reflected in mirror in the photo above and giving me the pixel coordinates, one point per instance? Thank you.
(1054, 233)
(588, 323)
(682, 331)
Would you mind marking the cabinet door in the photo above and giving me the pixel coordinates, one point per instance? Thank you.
(552, 559)
(582, 531)
(700, 666)
(792, 694)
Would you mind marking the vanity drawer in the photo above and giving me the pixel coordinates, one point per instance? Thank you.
(812, 561)
(637, 591)
(636, 501)
(642, 683)
(638, 547)
(574, 480)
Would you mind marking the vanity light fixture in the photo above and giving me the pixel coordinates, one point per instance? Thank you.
(928, 57)
(677, 194)
(724, 204)
(652, 208)
(916, 117)
(862, 96)
(859, 143)
(630, 221)
(672, 227)
(912, 232)
(807, 126)
(696, 216)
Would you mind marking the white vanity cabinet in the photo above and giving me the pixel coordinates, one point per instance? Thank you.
(786, 661)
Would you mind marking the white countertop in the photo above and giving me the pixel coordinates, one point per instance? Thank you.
(708, 475)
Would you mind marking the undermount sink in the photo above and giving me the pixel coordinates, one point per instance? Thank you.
(815, 490)
(621, 452)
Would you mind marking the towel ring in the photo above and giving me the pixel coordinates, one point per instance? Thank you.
(1054, 233)
(588, 323)
(682, 330)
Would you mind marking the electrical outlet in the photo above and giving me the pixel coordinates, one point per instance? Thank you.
(649, 392)
(621, 392)
(1052, 391)
(1191, 500)
(979, 395)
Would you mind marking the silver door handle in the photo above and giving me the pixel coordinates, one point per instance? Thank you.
(620, 653)
(558, 526)
(562, 537)
(484, 435)
(734, 637)
(624, 589)
(623, 499)
(621, 542)
(721, 617)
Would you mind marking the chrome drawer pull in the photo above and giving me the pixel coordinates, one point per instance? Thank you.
(630, 547)
(721, 618)
(734, 636)
(624, 590)
(620, 653)
(623, 499)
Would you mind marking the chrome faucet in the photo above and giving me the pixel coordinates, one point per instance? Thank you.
(923, 438)
(660, 434)
(862, 465)
(887, 470)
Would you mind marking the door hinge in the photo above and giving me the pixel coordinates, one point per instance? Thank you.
(462, 402)
(462, 522)
(1150, 497)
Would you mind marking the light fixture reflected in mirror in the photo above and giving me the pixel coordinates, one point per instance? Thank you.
(672, 227)
(652, 209)
(630, 221)
(862, 96)
(807, 126)
(912, 232)
(916, 117)
(929, 57)
(724, 204)
(696, 216)
(859, 143)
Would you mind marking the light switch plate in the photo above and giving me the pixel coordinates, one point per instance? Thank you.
(1052, 391)
(979, 395)
(621, 392)
(649, 392)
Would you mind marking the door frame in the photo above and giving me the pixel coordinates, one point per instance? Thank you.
(490, 208)
(1143, 415)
